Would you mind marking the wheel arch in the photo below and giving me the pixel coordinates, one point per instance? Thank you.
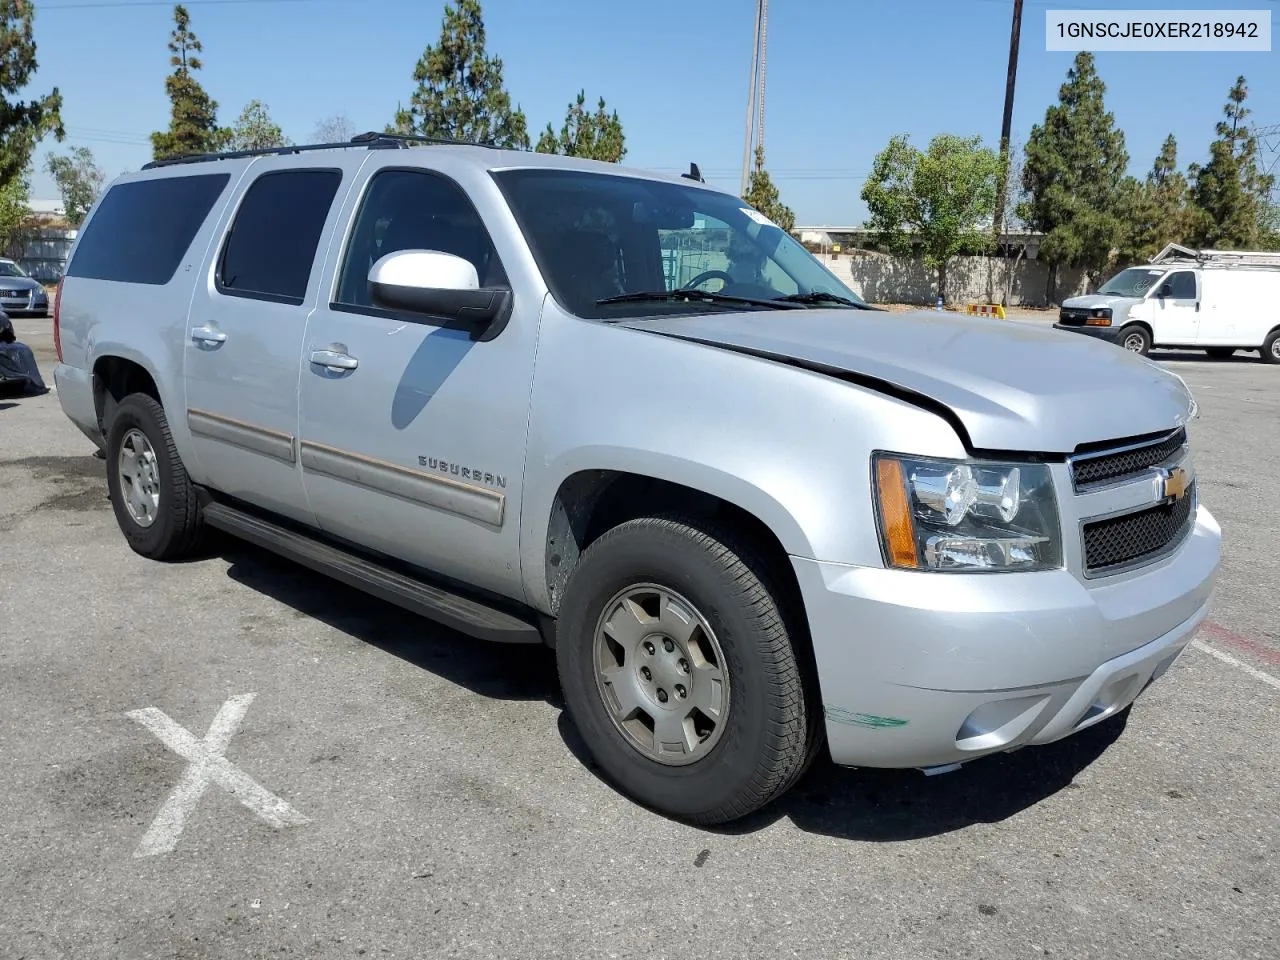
(590, 501)
(1144, 325)
(117, 374)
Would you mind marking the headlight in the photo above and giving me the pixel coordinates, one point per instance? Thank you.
(966, 515)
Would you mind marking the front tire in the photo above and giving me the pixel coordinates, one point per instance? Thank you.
(681, 673)
(1135, 339)
(152, 496)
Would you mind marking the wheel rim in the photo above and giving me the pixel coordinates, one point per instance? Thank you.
(139, 475)
(1275, 348)
(661, 674)
(1134, 342)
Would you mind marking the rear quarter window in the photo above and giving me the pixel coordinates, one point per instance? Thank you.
(142, 229)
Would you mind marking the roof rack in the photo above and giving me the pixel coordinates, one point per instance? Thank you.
(371, 140)
(1176, 253)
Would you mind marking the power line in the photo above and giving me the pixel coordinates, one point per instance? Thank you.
(119, 4)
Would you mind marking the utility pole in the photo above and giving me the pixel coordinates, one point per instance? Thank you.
(1002, 192)
(755, 93)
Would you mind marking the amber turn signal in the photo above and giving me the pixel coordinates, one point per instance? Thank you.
(895, 514)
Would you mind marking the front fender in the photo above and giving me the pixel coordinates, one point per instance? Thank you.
(657, 465)
(789, 446)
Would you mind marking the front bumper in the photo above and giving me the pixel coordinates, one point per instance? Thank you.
(1099, 333)
(34, 302)
(926, 669)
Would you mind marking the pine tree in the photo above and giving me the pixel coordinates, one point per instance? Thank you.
(1154, 211)
(23, 124)
(763, 195)
(193, 123)
(1230, 193)
(1074, 170)
(595, 136)
(460, 95)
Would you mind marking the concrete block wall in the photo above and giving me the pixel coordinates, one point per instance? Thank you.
(882, 278)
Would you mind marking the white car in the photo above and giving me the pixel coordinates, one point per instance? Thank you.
(1220, 301)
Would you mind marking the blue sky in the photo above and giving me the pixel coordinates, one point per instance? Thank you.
(843, 76)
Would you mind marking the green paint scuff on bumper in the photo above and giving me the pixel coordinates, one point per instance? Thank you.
(841, 715)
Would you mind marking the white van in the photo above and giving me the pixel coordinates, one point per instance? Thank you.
(1218, 300)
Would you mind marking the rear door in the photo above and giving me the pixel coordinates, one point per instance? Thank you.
(245, 328)
(1176, 316)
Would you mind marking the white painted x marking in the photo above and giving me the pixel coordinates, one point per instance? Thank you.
(208, 765)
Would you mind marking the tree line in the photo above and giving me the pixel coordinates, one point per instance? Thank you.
(459, 94)
(1069, 183)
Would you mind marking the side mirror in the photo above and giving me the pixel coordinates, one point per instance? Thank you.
(1166, 290)
(437, 284)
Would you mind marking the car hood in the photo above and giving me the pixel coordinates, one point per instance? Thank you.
(1093, 300)
(18, 283)
(1013, 386)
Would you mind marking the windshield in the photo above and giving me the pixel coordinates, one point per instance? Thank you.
(10, 270)
(1134, 282)
(597, 236)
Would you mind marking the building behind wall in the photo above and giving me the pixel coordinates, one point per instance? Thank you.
(41, 246)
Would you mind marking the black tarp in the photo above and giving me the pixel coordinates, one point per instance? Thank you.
(19, 373)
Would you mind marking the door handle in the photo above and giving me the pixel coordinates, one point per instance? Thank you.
(334, 360)
(208, 335)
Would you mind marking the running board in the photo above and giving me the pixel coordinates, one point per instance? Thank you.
(445, 607)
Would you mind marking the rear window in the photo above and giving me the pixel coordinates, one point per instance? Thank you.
(142, 229)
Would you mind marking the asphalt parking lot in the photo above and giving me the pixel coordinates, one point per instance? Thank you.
(400, 791)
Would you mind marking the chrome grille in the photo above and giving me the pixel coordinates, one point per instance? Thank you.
(1139, 537)
(1124, 462)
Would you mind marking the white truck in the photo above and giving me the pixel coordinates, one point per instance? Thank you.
(1219, 301)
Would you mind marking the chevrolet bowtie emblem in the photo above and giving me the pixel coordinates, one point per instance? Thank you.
(1174, 483)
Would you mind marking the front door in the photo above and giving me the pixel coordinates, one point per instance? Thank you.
(413, 432)
(1176, 317)
(244, 337)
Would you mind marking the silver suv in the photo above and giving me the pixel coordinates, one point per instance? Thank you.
(543, 400)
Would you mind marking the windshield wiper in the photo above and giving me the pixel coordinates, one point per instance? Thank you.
(821, 296)
(640, 296)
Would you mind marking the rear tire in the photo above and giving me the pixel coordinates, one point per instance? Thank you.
(1271, 347)
(657, 609)
(153, 498)
(1136, 339)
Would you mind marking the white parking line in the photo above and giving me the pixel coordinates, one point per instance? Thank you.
(208, 765)
(1226, 658)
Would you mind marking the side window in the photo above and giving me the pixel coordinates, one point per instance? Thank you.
(1184, 285)
(141, 230)
(414, 210)
(273, 240)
